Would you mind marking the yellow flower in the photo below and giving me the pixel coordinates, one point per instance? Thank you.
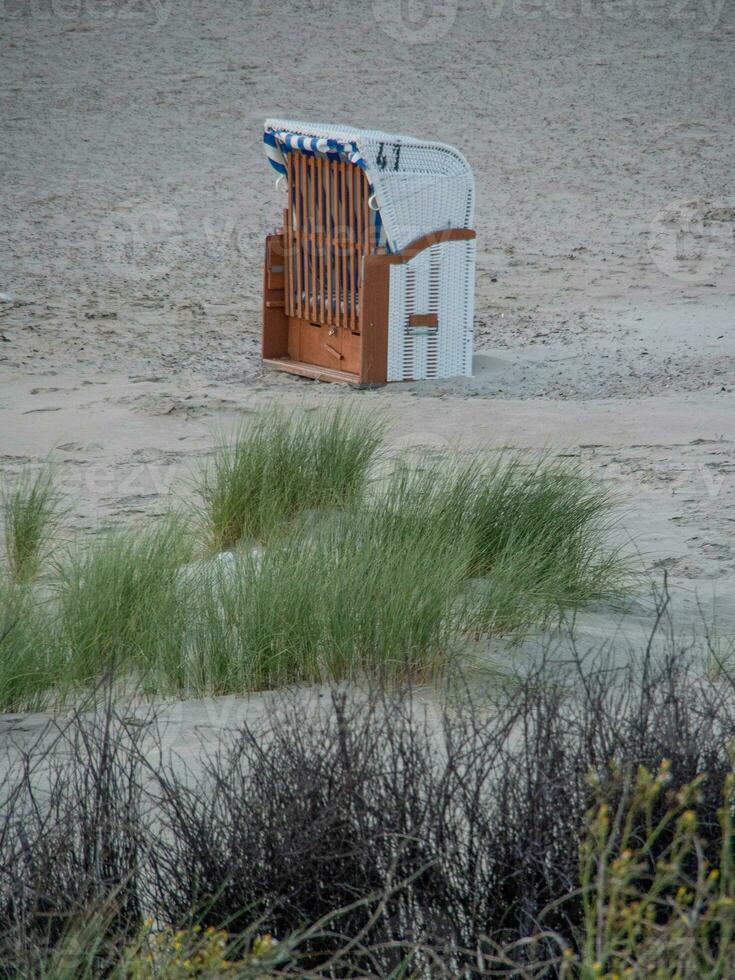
(262, 944)
(689, 819)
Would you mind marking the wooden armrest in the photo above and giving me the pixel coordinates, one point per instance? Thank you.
(426, 241)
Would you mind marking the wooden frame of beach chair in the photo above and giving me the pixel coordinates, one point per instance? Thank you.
(371, 277)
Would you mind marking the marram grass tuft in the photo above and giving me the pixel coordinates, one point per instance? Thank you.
(279, 465)
(31, 511)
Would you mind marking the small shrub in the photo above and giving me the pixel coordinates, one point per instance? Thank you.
(480, 812)
(654, 904)
(579, 826)
(71, 842)
(279, 465)
(195, 952)
(32, 510)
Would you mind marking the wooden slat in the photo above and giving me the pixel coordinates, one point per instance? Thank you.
(360, 216)
(311, 370)
(335, 233)
(374, 361)
(328, 237)
(316, 177)
(423, 320)
(366, 241)
(313, 199)
(337, 263)
(357, 209)
(275, 321)
(359, 204)
(288, 238)
(366, 212)
(299, 204)
(351, 234)
(304, 237)
(293, 173)
(358, 238)
(311, 279)
(343, 242)
(288, 241)
(320, 238)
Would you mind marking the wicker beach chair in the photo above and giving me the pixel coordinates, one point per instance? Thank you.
(371, 278)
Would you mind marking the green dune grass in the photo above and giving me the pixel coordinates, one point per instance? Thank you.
(332, 570)
(31, 512)
(279, 465)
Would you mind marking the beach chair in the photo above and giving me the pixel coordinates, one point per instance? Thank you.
(371, 277)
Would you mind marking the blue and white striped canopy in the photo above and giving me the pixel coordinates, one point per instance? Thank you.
(277, 143)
